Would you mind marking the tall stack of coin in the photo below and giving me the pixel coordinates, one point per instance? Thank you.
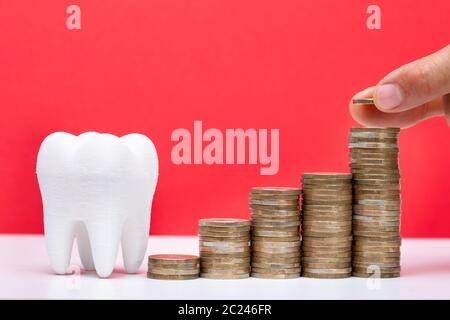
(224, 248)
(327, 225)
(275, 232)
(173, 267)
(377, 201)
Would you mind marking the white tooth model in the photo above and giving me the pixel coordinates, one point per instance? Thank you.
(97, 188)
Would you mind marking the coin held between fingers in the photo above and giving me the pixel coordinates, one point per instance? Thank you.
(365, 101)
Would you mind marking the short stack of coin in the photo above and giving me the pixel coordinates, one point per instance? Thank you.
(173, 267)
(275, 232)
(224, 248)
(376, 201)
(327, 225)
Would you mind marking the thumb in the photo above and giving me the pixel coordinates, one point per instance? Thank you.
(415, 83)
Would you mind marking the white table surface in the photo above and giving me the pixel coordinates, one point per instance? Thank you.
(25, 273)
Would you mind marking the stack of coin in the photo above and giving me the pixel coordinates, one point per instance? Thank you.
(327, 225)
(376, 202)
(173, 267)
(224, 248)
(275, 232)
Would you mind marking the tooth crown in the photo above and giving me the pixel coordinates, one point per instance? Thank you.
(97, 188)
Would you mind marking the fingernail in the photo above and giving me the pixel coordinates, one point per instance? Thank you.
(388, 96)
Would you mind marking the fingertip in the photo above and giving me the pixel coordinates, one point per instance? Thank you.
(388, 97)
(357, 111)
(366, 93)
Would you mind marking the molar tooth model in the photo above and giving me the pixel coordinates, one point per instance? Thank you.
(97, 188)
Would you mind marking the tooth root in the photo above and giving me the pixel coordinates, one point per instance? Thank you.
(134, 244)
(136, 228)
(104, 239)
(59, 236)
(84, 247)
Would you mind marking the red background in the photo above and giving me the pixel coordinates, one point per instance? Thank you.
(154, 66)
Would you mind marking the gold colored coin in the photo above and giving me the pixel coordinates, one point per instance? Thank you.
(325, 276)
(325, 260)
(278, 260)
(245, 254)
(225, 268)
(225, 229)
(165, 271)
(229, 260)
(328, 233)
(335, 265)
(373, 274)
(275, 233)
(275, 265)
(208, 238)
(256, 239)
(219, 276)
(328, 271)
(263, 196)
(275, 250)
(274, 276)
(267, 244)
(365, 101)
(224, 244)
(228, 222)
(277, 271)
(275, 190)
(376, 270)
(173, 258)
(274, 256)
(327, 255)
(245, 250)
(171, 277)
(327, 175)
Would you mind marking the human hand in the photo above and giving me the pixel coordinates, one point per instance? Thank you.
(414, 92)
